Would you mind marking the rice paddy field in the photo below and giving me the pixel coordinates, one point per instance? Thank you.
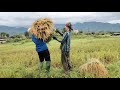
(20, 60)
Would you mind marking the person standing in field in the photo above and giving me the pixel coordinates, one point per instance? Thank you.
(65, 46)
(40, 33)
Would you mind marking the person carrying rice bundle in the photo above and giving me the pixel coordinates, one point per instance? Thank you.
(41, 31)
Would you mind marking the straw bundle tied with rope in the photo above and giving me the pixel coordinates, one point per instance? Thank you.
(94, 67)
(42, 28)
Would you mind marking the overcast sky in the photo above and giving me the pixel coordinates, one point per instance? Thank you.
(26, 18)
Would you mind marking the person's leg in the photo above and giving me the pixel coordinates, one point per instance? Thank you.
(48, 64)
(41, 65)
(68, 60)
(41, 58)
(64, 61)
(48, 60)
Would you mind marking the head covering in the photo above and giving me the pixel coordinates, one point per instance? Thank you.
(69, 25)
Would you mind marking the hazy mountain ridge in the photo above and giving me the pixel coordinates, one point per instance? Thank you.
(86, 26)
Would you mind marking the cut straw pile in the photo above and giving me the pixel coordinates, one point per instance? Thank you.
(42, 28)
(93, 67)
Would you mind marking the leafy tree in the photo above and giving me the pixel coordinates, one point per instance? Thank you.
(26, 34)
(4, 35)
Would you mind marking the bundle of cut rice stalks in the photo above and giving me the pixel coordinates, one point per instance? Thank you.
(42, 29)
(94, 68)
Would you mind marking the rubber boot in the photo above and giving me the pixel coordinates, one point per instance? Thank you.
(41, 66)
(48, 63)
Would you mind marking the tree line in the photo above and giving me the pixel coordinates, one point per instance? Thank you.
(27, 35)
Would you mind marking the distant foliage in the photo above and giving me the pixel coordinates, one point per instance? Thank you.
(4, 35)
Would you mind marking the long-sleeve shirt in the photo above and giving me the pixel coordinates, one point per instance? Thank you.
(40, 44)
(65, 43)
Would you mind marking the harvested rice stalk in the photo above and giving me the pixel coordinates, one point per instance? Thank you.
(42, 28)
(93, 67)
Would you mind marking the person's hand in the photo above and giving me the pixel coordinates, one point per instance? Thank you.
(61, 47)
(57, 31)
(54, 38)
(28, 29)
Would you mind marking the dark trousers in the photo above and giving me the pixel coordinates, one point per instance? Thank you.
(44, 55)
(65, 58)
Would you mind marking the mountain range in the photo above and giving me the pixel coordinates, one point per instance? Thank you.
(86, 26)
(94, 26)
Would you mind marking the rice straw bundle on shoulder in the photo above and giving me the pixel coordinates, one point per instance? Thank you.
(42, 28)
(94, 67)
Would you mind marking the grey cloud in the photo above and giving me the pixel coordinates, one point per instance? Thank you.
(26, 18)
